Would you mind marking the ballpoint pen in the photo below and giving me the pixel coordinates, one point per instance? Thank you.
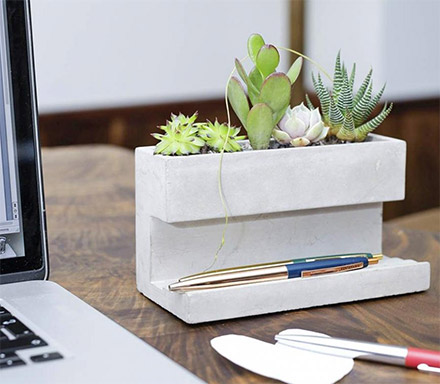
(372, 259)
(422, 359)
(271, 273)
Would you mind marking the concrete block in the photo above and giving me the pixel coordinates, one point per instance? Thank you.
(284, 204)
(185, 188)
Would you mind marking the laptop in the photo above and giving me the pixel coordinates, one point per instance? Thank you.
(48, 335)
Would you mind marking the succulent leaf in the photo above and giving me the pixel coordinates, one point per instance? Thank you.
(259, 126)
(295, 70)
(294, 126)
(336, 118)
(361, 108)
(275, 92)
(277, 116)
(180, 136)
(252, 90)
(239, 102)
(216, 136)
(315, 131)
(352, 76)
(362, 131)
(281, 136)
(363, 88)
(309, 103)
(300, 142)
(323, 134)
(255, 42)
(345, 99)
(374, 102)
(347, 130)
(267, 60)
(315, 83)
(241, 71)
(344, 71)
(183, 121)
(323, 96)
(337, 77)
(256, 77)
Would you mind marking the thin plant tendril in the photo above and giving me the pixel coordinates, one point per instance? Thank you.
(219, 173)
(309, 59)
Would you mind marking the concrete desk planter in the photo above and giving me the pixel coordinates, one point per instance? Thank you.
(284, 204)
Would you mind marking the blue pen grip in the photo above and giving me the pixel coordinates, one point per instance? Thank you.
(296, 270)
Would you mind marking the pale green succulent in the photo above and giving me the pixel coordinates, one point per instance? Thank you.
(268, 91)
(346, 115)
(300, 127)
(180, 136)
(216, 134)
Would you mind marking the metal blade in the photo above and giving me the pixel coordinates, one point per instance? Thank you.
(344, 347)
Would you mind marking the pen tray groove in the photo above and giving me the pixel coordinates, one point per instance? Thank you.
(392, 276)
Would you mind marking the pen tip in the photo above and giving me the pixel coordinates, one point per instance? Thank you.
(172, 287)
(176, 286)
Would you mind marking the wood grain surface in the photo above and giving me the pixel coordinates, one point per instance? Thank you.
(90, 212)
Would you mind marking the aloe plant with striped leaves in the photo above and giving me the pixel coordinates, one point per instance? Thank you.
(347, 114)
(267, 91)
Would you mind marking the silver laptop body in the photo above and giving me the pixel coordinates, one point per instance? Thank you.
(48, 335)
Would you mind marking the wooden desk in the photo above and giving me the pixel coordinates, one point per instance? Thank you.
(90, 212)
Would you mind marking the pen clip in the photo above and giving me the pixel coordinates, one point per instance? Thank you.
(426, 368)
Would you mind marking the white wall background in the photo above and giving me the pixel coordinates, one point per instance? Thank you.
(103, 53)
(100, 53)
(400, 39)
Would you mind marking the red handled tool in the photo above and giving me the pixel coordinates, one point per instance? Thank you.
(422, 359)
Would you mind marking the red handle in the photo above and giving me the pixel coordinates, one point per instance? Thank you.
(418, 356)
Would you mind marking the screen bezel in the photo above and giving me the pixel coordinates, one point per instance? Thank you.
(34, 264)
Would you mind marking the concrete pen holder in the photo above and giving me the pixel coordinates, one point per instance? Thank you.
(284, 204)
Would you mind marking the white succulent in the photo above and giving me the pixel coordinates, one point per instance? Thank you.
(300, 126)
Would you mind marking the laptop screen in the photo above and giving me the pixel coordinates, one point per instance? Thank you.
(22, 235)
(11, 237)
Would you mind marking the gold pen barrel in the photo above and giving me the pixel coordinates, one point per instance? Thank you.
(235, 269)
(233, 278)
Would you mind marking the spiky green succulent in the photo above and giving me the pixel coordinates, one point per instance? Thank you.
(217, 137)
(268, 91)
(344, 113)
(180, 136)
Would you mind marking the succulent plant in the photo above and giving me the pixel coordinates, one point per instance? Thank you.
(180, 136)
(300, 127)
(345, 114)
(216, 134)
(268, 91)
